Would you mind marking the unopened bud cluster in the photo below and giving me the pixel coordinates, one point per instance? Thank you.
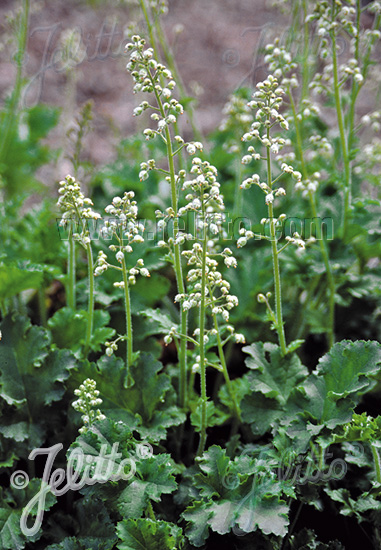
(88, 398)
(150, 76)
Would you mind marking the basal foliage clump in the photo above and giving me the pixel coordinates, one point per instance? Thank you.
(218, 428)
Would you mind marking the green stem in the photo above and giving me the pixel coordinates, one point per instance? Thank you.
(150, 28)
(355, 86)
(71, 301)
(127, 303)
(10, 117)
(225, 369)
(274, 249)
(177, 258)
(150, 513)
(90, 314)
(366, 62)
(173, 67)
(42, 305)
(202, 442)
(377, 463)
(343, 139)
(170, 60)
(306, 67)
(238, 195)
(319, 235)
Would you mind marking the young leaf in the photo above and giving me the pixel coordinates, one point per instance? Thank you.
(214, 416)
(341, 377)
(154, 478)
(273, 375)
(148, 535)
(358, 506)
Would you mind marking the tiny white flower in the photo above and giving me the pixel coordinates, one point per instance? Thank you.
(191, 149)
(230, 261)
(269, 198)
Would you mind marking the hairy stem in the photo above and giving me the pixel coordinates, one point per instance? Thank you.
(306, 37)
(170, 60)
(201, 446)
(127, 304)
(355, 86)
(11, 113)
(274, 249)
(377, 463)
(343, 139)
(225, 369)
(177, 259)
(70, 291)
(90, 314)
(319, 234)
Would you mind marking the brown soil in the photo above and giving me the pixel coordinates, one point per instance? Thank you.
(217, 51)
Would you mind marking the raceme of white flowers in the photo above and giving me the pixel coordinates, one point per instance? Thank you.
(88, 398)
(124, 226)
(202, 189)
(334, 18)
(76, 208)
(205, 200)
(267, 101)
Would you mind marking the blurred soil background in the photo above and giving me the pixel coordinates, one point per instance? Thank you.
(217, 44)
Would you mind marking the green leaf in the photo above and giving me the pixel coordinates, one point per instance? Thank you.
(344, 374)
(155, 478)
(361, 428)
(150, 400)
(31, 378)
(14, 279)
(94, 528)
(160, 323)
(292, 346)
(145, 534)
(260, 412)
(349, 367)
(244, 494)
(358, 506)
(198, 516)
(214, 464)
(22, 348)
(274, 376)
(12, 503)
(68, 329)
(214, 416)
(272, 380)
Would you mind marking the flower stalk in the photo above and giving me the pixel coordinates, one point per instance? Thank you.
(275, 255)
(126, 230)
(127, 303)
(77, 209)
